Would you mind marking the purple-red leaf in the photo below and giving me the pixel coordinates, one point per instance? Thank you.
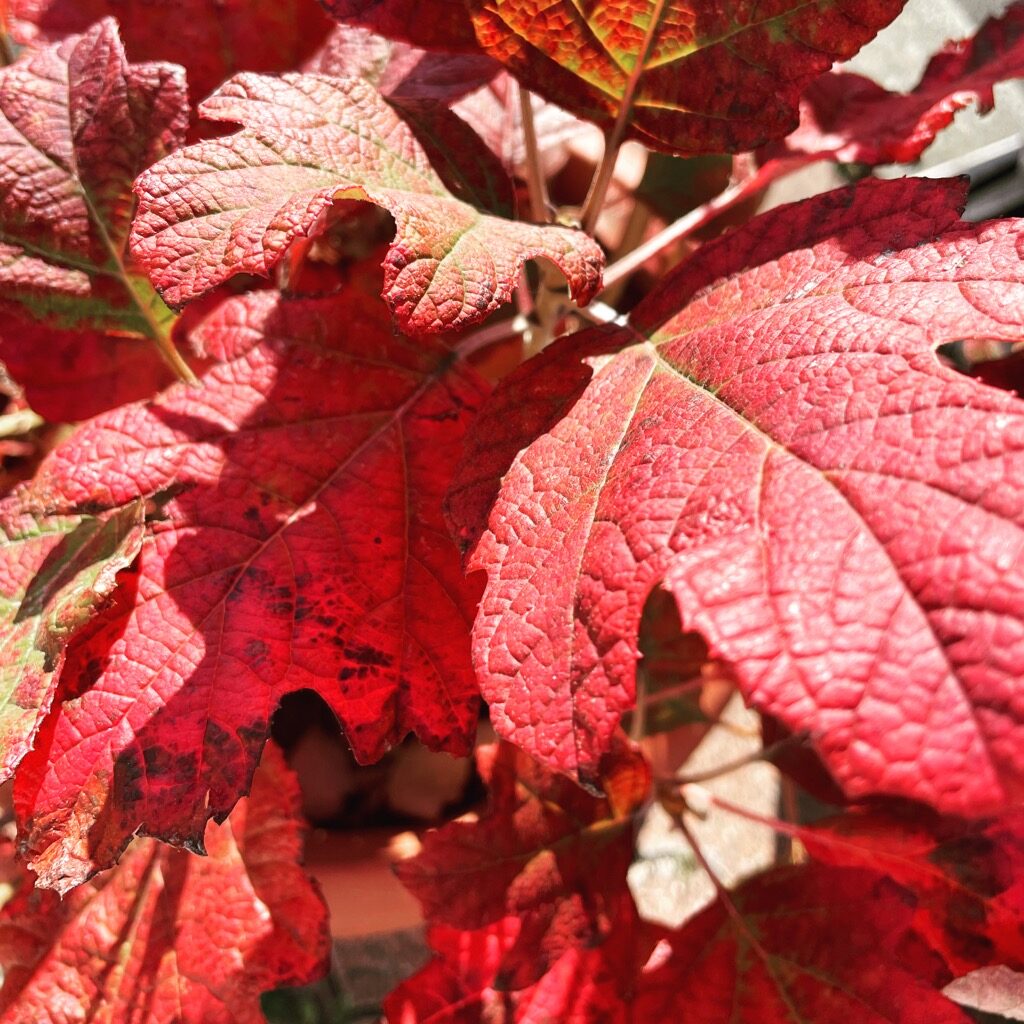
(167, 936)
(234, 205)
(774, 441)
(848, 117)
(55, 574)
(398, 70)
(298, 542)
(212, 39)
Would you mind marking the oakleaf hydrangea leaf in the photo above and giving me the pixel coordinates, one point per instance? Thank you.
(773, 440)
(168, 936)
(55, 574)
(235, 204)
(298, 543)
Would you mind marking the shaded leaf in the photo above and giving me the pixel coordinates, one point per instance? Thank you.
(398, 70)
(546, 854)
(72, 375)
(585, 985)
(211, 39)
(775, 407)
(435, 26)
(55, 574)
(300, 544)
(168, 936)
(848, 117)
(968, 880)
(807, 944)
(234, 205)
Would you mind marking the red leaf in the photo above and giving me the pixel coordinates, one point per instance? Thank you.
(584, 986)
(55, 574)
(234, 205)
(212, 39)
(773, 440)
(807, 944)
(546, 854)
(398, 70)
(168, 936)
(299, 544)
(421, 86)
(78, 123)
(434, 26)
(968, 880)
(848, 117)
(72, 375)
(689, 76)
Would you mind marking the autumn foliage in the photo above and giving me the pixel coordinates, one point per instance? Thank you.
(322, 377)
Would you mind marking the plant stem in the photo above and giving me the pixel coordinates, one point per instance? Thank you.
(20, 422)
(594, 203)
(539, 205)
(753, 757)
(173, 358)
(694, 221)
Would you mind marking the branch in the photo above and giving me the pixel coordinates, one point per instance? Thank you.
(695, 220)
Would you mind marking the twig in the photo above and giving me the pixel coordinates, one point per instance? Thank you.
(594, 202)
(755, 756)
(694, 221)
(540, 209)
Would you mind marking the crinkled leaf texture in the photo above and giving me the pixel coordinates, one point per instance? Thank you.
(848, 117)
(688, 76)
(211, 39)
(299, 543)
(77, 124)
(773, 440)
(55, 574)
(546, 854)
(235, 204)
(170, 937)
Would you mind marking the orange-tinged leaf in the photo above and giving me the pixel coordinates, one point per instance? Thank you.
(685, 76)
(234, 205)
(167, 936)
